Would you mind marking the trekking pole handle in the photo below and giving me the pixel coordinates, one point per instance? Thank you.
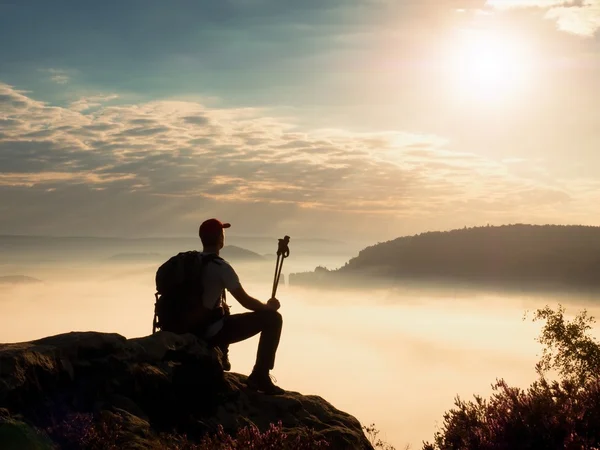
(283, 251)
(283, 248)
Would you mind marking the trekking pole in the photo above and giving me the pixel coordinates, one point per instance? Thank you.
(283, 251)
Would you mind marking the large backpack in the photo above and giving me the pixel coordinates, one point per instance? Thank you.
(179, 290)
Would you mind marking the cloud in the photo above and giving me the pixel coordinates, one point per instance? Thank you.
(92, 101)
(583, 19)
(58, 76)
(507, 4)
(132, 160)
(580, 17)
(57, 178)
(60, 79)
(196, 120)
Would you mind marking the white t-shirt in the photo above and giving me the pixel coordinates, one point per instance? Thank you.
(217, 276)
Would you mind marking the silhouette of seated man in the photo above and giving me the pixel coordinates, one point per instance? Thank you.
(219, 276)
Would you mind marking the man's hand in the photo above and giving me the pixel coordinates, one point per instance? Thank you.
(273, 304)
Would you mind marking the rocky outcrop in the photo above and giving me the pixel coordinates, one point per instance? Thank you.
(160, 383)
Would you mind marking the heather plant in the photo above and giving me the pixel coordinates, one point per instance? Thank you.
(548, 415)
(551, 414)
(86, 431)
(250, 438)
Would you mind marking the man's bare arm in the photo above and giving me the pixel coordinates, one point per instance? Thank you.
(248, 302)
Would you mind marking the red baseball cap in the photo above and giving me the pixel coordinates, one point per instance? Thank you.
(212, 227)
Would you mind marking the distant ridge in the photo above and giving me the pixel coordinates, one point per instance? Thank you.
(93, 249)
(567, 255)
(37, 250)
(135, 256)
(228, 252)
(19, 279)
(238, 253)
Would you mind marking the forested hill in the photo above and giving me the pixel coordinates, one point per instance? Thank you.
(513, 253)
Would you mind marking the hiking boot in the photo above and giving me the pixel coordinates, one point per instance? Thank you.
(264, 383)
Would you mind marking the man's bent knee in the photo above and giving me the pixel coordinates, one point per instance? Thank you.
(272, 317)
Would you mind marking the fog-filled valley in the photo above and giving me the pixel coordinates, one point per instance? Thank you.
(395, 357)
(435, 165)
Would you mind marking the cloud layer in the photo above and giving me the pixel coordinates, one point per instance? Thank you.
(178, 156)
(575, 16)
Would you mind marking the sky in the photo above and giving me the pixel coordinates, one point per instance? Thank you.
(349, 119)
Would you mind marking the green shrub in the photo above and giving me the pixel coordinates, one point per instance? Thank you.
(372, 434)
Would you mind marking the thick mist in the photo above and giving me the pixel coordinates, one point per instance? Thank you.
(395, 357)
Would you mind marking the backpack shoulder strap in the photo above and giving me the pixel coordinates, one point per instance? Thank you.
(213, 257)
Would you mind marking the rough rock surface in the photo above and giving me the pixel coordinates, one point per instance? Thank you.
(158, 383)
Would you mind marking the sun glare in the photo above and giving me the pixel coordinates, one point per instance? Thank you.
(487, 65)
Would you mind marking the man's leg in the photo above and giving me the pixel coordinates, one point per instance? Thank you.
(239, 327)
(225, 347)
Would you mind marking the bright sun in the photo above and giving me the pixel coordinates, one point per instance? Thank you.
(487, 65)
